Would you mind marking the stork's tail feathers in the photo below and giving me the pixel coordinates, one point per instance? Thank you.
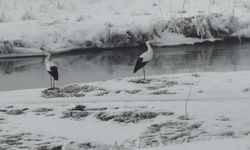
(139, 64)
(54, 72)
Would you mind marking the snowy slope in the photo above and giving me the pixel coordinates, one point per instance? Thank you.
(131, 113)
(66, 24)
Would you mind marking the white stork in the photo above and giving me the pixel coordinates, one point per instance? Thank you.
(144, 59)
(52, 70)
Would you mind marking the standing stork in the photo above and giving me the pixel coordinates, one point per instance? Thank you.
(52, 70)
(144, 58)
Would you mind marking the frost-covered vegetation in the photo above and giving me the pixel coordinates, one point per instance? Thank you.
(66, 24)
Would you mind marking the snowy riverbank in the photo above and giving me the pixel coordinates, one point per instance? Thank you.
(64, 24)
(131, 113)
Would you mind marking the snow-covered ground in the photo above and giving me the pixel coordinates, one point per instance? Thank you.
(65, 24)
(132, 113)
(128, 113)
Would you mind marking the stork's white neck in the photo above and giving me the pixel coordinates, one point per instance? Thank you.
(47, 57)
(149, 46)
(47, 62)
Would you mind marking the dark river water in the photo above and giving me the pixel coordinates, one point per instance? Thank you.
(96, 65)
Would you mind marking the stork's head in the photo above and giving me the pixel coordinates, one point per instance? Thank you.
(147, 42)
(46, 54)
(153, 42)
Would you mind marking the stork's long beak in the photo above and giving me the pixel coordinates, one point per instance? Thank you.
(44, 54)
(156, 43)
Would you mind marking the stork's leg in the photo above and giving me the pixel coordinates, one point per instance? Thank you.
(50, 81)
(53, 83)
(144, 73)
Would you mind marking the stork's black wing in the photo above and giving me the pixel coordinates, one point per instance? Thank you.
(139, 64)
(54, 72)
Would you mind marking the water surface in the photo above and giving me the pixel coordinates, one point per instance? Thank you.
(96, 65)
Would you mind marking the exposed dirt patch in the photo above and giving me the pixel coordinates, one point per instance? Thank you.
(127, 117)
(105, 116)
(97, 109)
(10, 141)
(247, 133)
(155, 87)
(169, 83)
(167, 113)
(9, 107)
(15, 112)
(246, 90)
(160, 92)
(130, 117)
(141, 81)
(49, 147)
(169, 132)
(27, 141)
(200, 91)
(85, 146)
(223, 118)
(81, 111)
(3, 110)
(183, 117)
(79, 108)
(42, 111)
(132, 91)
(84, 108)
(75, 114)
(102, 92)
(195, 75)
(72, 91)
(228, 133)
(194, 126)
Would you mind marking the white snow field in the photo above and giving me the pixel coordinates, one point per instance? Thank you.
(59, 25)
(132, 113)
(128, 113)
